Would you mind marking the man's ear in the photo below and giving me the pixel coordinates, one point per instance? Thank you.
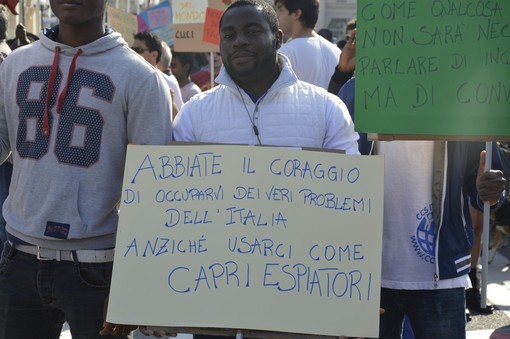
(186, 67)
(298, 13)
(154, 56)
(278, 39)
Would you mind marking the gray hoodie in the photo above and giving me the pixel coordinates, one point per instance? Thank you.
(67, 115)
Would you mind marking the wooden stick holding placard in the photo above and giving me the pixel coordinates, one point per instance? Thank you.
(211, 68)
(485, 233)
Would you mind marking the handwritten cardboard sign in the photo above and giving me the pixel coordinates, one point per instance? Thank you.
(245, 237)
(123, 22)
(159, 20)
(189, 11)
(433, 68)
(196, 24)
(212, 26)
(160, 17)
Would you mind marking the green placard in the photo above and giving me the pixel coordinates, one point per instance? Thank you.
(433, 68)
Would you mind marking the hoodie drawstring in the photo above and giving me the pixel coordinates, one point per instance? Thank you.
(49, 92)
(70, 73)
(51, 84)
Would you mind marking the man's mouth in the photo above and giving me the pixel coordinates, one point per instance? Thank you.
(242, 56)
(70, 3)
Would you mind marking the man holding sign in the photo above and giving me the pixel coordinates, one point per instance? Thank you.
(259, 99)
(427, 232)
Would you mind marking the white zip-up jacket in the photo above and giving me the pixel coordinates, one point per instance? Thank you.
(290, 113)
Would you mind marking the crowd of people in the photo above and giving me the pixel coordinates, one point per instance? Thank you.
(69, 108)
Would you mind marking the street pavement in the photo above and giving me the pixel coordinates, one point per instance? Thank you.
(494, 326)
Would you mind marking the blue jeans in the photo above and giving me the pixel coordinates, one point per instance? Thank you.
(5, 181)
(36, 297)
(433, 314)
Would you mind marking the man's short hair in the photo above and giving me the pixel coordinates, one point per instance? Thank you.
(267, 11)
(309, 10)
(3, 23)
(351, 24)
(185, 59)
(326, 34)
(152, 41)
(166, 55)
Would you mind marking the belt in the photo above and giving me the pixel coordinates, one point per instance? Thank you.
(84, 256)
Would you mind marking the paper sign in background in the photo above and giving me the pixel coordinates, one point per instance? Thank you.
(159, 20)
(189, 11)
(250, 238)
(194, 24)
(211, 27)
(123, 22)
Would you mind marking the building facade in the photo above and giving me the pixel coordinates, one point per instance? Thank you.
(334, 14)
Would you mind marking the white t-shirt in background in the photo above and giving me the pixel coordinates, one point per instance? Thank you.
(313, 59)
(189, 90)
(409, 231)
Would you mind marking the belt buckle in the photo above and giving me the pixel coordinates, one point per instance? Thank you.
(39, 255)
